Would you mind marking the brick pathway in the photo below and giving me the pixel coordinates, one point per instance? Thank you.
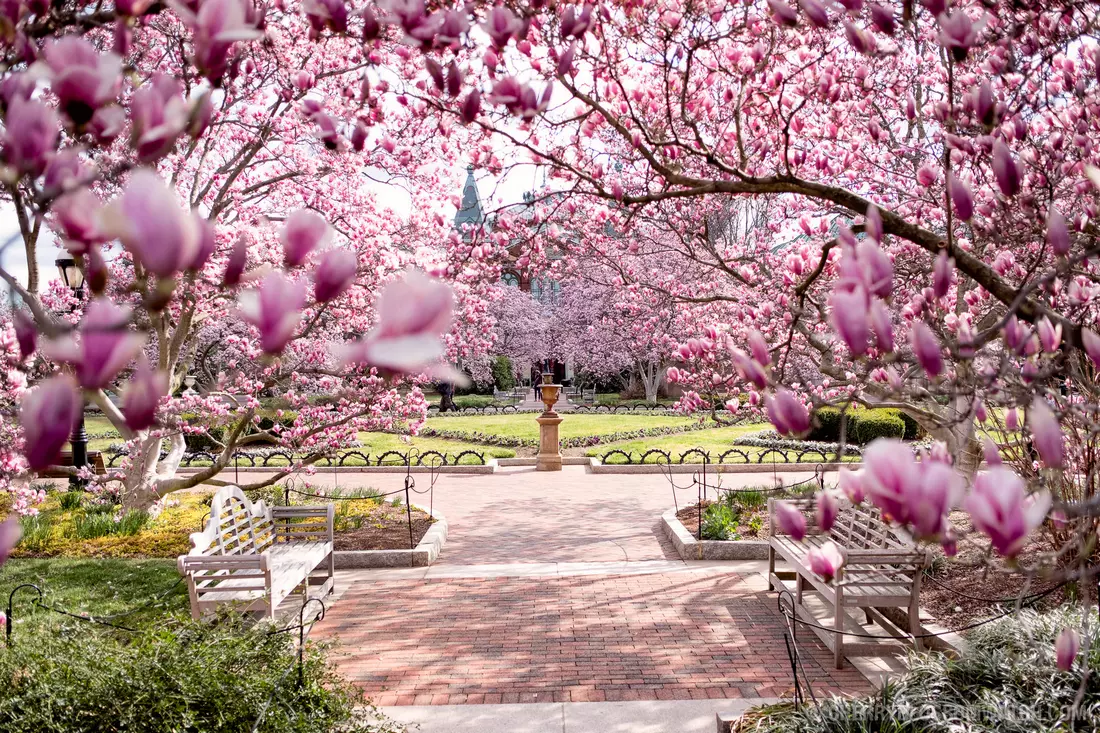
(670, 636)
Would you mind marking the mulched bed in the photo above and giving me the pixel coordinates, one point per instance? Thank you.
(968, 573)
(382, 527)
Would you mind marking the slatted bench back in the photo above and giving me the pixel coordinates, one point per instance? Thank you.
(859, 527)
(236, 526)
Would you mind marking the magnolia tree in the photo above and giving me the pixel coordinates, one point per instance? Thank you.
(207, 166)
(937, 162)
(521, 328)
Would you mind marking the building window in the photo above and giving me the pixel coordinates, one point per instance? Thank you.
(510, 278)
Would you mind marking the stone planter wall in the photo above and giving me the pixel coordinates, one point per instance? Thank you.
(689, 548)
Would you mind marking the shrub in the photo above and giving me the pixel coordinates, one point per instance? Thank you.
(197, 442)
(178, 676)
(872, 424)
(503, 376)
(826, 425)
(719, 523)
(1005, 682)
(913, 429)
(91, 526)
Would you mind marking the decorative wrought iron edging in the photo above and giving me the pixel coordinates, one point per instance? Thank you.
(246, 459)
(727, 458)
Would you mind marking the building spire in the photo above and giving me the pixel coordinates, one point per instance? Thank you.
(469, 211)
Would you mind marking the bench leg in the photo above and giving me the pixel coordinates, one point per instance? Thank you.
(799, 586)
(838, 624)
(914, 623)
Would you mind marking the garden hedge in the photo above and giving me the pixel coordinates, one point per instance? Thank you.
(863, 426)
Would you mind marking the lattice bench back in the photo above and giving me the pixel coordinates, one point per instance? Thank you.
(859, 527)
(236, 526)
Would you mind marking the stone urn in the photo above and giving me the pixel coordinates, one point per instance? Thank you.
(549, 457)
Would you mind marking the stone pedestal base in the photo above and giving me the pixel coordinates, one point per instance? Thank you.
(549, 457)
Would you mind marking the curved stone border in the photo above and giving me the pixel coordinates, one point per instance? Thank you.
(689, 548)
(425, 553)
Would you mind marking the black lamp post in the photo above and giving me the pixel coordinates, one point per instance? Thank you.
(73, 276)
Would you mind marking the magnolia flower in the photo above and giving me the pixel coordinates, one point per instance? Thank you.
(10, 532)
(471, 106)
(958, 33)
(882, 326)
(790, 520)
(1005, 170)
(999, 507)
(1066, 648)
(782, 13)
(47, 416)
(1012, 420)
(153, 227)
(1050, 336)
(787, 414)
(158, 116)
(826, 560)
(1046, 433)
(848, 315)
(303, 232)
(26, 334)
(82, 78)
(76, 216)
(236, 262)
(759, 348)
(217, 26)
(501, 24)
(275, 309)
(1057, 232)
(826, 509)
(942, 273)
(331, 14)
(991, 453)
(334, 275)
(816, 12)
(413, 314)
(851, 484)
(143, 394)
(30, 135)
(105, 347)
(911, 493)
(960, 197)
(926, 349)
(1091, 342)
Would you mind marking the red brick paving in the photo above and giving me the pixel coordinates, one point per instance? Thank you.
(674, 636)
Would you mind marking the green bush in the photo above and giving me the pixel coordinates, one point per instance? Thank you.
(71, 499)
(913, 429)
(872, 424)
(201, 441)
(503, 376)
(37, 531)
(719, 523)
(1005, 682)
(178, 676)
(826, 425)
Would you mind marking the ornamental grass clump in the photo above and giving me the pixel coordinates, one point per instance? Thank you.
(178, 676)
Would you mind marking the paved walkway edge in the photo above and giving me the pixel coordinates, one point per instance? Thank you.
(656, 716)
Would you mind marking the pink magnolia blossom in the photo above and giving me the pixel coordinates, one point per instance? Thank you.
(106, 345)
(1000, 508)
(851, 483)
(826, 510)
(30, 135)
(1012, 419)
(303, 232)
(1091, 343)
(237, 261)
(334, 275)
(153, 227)
(413, 314)
(943, 270)
(142, 396)
(275, 309)
(1057, 233)
(1050, 336)
(1066, 648)
(916, 494)
(790, 520)
(26, 333)
(960, 197)
(82, 78)
(10, 532)
(787, 413)
(158, 116)
(1046, 433)
(927, 350)
(849, 317)
(882, 327)
(826, 560)
(1005, 170)
(77, 219)
(47, 416)
(991, 454)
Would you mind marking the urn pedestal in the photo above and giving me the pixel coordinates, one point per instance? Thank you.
(549, 457)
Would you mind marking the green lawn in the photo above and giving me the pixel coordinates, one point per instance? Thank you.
(95, 587)
(573, 426)
(714, 441)
(377, 443)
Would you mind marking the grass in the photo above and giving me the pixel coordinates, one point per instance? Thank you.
(573, 426)
(96, 587)
(378, 443)
(714, 441)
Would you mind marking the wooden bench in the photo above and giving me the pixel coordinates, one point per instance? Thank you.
(883, 570)
(588, 396)
(95, 460)
(254, 556)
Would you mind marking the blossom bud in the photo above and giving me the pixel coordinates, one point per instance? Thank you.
(143, 394)
(1066, 648)
(334, 275)
(303, 232)
(826, 560)
(790, 520)
(926, 349)
(47, 415)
